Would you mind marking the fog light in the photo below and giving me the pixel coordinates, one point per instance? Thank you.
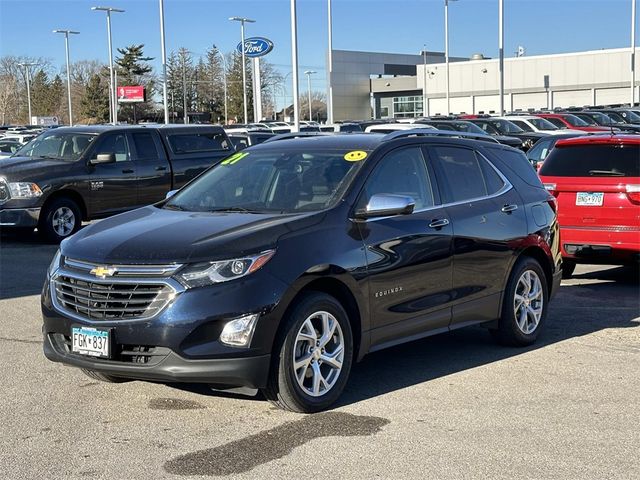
(239, 331)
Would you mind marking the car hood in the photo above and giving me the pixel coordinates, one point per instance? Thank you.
(562, 131)
(152, 235)
(28, 168)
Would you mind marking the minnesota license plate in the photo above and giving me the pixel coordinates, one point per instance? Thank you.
(589, 199)
(93, 342)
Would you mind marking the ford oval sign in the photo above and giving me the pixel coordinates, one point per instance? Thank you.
(256, 46)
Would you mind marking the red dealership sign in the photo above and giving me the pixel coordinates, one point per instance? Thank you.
(132, 94)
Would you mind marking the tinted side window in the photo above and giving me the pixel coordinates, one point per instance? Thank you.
(197, 142)
(145, 146)
(539, 151)
(401, 172)
(116, 144)
(593, 161)
(465, 175)
(558, 123)
(522, 125)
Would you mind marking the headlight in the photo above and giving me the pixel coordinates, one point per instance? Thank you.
(55, 263)
(24, 190)
(202, 274)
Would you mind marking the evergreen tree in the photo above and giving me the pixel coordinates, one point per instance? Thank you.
(95, 101)
(40, 100)
(235, 92)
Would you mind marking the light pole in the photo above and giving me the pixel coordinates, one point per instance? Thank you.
(164, 64)
(308, 73)
(425, 103)
(633, 51)
(501, 48)
(294, 66)
(112, 98)
(224, 80)
(26, 67)
(66, 34)
(446, 50)
(330, 58)
(242, 21)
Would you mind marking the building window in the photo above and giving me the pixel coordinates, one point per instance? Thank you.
(384, 112)
(407, 107)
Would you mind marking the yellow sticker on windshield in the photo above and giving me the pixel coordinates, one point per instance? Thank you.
(355, 156)
(235, 158)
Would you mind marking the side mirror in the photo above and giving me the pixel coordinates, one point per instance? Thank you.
(170, 194)
(103, 158)
(385, 205)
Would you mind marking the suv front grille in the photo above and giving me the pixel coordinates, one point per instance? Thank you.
(108, 300)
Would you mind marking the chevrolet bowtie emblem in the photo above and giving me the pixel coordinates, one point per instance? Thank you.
(103, 272)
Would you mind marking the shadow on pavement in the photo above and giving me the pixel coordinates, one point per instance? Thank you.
(467, 348)
(24, 259)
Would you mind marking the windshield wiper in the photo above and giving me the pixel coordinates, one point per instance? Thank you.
(233, 209)
(608, 173)
(175, 207)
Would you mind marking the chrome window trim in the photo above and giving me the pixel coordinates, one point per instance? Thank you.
(62, 271)
(124, 270)
(505, 188)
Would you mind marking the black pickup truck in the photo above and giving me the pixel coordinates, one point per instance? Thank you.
(68, 175)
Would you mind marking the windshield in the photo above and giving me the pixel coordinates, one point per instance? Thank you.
(505, 127)
(575, 121)
(615, 117)
(468, 127)
(277, 181)
(599, 118)
(57, 145)
(542, 124)
(633, 117)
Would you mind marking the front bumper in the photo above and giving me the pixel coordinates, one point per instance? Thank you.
(181, 342)
(19, 217)
(249, 371)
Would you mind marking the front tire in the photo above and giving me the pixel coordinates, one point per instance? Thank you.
(59, 219)
(313, 356)
(524, 308)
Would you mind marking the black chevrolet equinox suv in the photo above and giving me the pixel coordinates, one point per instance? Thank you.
(288, 261)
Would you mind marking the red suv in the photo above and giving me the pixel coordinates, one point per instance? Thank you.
(568, 120)
(596, 181)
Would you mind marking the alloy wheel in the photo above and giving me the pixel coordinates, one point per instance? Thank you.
(63, 221)
(318, 354)
(528, 302)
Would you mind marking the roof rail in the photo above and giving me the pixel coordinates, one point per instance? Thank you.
(287, 136)
(420, 132)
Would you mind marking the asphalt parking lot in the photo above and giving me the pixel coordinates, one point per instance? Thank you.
(450, 406)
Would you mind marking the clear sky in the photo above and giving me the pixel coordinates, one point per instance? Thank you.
(401, 26)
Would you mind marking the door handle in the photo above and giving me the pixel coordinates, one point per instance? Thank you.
(509, 208)
(127, 170)
(439, 223)
(160, 169)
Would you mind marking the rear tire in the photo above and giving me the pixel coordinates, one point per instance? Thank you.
(524, 308)
(59, 219)
(568, 266)
(103, 377)
(312, 357)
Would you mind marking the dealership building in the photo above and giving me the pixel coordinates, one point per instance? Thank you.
(389, 85)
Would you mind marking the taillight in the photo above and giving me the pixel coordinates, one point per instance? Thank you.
(633, 192)
(551, 188)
